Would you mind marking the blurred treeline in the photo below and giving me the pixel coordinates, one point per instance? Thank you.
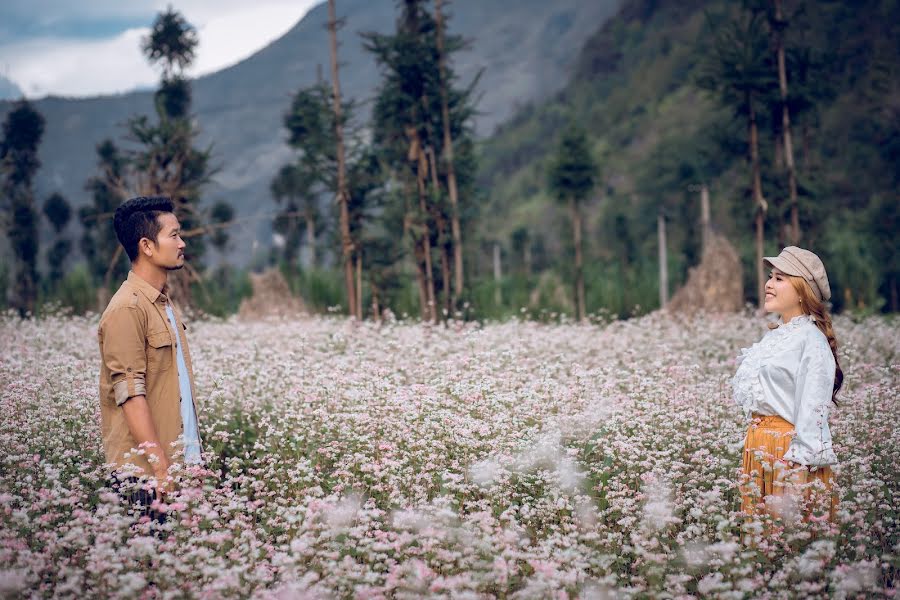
(660, 92)
(394, 205)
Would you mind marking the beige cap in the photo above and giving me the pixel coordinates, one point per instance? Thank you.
(802, 263)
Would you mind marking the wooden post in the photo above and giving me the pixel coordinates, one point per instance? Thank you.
(498, 275)
(575, 209)
(758, 200)
(311, 239)
(663, 260)
(359, 309)
(704, 215)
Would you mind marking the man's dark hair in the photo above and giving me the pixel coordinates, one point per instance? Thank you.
(137, 218)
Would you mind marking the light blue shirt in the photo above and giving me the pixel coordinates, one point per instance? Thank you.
(188, 415)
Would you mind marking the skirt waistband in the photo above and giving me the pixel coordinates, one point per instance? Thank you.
(771, 422)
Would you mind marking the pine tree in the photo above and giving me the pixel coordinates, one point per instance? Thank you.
(293, 189)
(738, 71)
(166, 161)
(106, 261)
(58, 212)
(22, 132)
(407, 134)
(572, 177)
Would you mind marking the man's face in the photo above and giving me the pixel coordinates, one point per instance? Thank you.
(168, 252)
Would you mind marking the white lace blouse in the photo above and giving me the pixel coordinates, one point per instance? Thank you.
(790, 373)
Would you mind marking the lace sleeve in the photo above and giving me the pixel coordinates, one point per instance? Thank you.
(811, 445)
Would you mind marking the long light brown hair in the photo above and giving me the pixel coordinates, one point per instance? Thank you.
(818, 310)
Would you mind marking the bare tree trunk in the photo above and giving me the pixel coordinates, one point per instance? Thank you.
(704, 215)
(759, 202)
(422, 167)
(376, 309)
(498, 276)
(446, 291)
(786, 128)
(448, 157)
(311, 238)
(441, 224)
(358, 286)
(346, 242)
(420, 278)
(895, 297)
(778, 159)
(579, 267)
(663, 261)
(526, 258)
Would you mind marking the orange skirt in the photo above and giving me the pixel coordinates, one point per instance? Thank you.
(770, 486)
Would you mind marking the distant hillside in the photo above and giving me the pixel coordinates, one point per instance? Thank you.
(8, 89)
(526, 49)
(656, 137)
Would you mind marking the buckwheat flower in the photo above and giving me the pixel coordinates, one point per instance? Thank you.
(13, 582)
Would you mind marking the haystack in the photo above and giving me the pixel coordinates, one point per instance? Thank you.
(716, 284)
(271, 297)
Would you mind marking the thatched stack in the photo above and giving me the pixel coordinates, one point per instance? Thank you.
(716, 284)
(271, 297)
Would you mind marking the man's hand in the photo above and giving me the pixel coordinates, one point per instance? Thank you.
(140, 424)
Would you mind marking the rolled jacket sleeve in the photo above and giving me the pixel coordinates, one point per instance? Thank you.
(123, 336)
(812, 445)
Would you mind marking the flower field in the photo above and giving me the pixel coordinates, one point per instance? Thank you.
(512, 460)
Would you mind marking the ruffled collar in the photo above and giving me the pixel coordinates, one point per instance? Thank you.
(795, 322)
(748, 392)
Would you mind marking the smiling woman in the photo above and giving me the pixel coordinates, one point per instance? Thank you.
(97, 51)
(786, 384)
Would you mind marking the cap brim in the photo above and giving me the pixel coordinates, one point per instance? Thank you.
(782, 265)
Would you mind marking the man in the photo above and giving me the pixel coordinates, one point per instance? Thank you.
(146, 381)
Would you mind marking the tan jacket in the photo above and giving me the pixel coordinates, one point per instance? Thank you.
(138, 356)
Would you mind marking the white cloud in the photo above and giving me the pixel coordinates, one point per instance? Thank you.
(229, 31)
(231, 36)
(78, 68)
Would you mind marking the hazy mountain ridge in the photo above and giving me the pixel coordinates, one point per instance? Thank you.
(8, 89)
(526, 55)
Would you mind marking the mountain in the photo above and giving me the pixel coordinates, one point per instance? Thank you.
(8, 89)
(525, 49)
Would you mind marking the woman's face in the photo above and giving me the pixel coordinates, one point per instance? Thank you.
(781, 297)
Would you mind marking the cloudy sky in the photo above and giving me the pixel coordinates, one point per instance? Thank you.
(91, 47)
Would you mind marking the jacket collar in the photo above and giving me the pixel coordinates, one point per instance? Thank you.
(148, 290)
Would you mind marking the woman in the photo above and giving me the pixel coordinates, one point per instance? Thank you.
(787, 383)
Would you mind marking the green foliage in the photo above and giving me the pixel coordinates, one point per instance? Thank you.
(320, 289)
(76, 290)
(221, 293)
(407, 139)
(648, 91)
(172, 42)
(293, 188)
(165, 161)
(739, 67)
(57, 211)
(311, 122)
(852, 269)
(221, 214)
(173, 98)
(22, 132)
(572, 174)
(98, 240)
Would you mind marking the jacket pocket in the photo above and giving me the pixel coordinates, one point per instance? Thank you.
(159, 351)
